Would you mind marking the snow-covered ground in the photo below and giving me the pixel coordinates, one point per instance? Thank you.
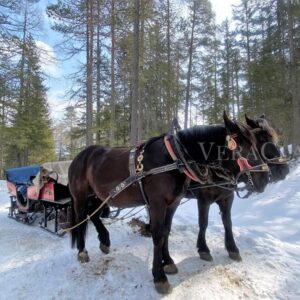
(37, 265)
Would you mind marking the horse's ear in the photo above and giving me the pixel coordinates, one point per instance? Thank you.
(229, 124)
(263, 116)
(250, 122)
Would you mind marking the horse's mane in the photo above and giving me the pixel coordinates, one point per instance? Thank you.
(263, 124)
(215, 133)
(150, 141)
(206, 133)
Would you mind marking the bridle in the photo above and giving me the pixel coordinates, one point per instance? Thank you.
(229, 181)
(244, 165)
(192, 170)
(280, 160)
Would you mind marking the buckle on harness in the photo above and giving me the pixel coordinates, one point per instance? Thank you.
(180, 165)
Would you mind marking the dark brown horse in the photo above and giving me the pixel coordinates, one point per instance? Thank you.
(266, 140)
(99, 170)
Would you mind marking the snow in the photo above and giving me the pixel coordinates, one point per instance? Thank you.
(37, 265)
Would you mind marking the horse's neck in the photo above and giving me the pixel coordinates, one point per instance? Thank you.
(204, 143)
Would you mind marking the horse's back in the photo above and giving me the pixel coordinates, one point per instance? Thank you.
(108, 168)
(99, 164)
(80, 162)
(79, 166)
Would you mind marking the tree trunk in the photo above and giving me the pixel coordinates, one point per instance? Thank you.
(89, 72)
(189, 73)
(135, 75)
(215, 115)
(294, 83)
(247, 20)
(237, 91)
(3, 125)
(98, 76)
(112, 70)
(227, 51)
(177, 95)
(169, 101)
(22, 67)
(141, 67)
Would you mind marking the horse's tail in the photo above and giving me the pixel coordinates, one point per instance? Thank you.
(74, 231)
(79, 231)
(79, 203)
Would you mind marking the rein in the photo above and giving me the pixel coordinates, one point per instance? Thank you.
(281, 160)
(224, 185)
(88, 216)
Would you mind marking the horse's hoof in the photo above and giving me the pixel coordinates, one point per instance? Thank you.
(104, 248)
(235, 256)
(163, 287)
(170, 269)
(205, 256)
(83, 256)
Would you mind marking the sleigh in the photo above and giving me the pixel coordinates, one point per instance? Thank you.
(40, 192)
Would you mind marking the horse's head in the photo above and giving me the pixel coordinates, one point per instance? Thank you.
(266, 142)
(241, 145)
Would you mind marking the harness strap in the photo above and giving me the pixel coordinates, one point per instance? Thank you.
(186, 168)
(123, 185)
(243, 164)
(281, 160)
(133, 176)
(140, 175)
(224, 185)
(132, 161)
(143, 192)
(224, 175)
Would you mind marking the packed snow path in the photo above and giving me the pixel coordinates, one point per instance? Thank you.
(37, 265)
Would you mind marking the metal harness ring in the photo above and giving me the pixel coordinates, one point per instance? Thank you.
(140, 166)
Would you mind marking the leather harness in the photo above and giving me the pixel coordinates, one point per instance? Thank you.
(190, 167)
(137, 173)
(182, 162)
(133, 173)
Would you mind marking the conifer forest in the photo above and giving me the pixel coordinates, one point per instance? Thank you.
(131, 67)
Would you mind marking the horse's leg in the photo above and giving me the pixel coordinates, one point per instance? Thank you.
(78, 234)
(225, 208)
(103, 234)
(203, 211)
(169, 265)
(157, 216)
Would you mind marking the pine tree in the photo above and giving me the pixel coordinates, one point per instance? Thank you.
(76, 20)
(32, 139)
(200, 40)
